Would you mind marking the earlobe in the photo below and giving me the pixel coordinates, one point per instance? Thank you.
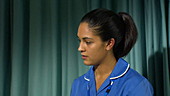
(110, 44)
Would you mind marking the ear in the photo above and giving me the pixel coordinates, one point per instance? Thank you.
(110, 44)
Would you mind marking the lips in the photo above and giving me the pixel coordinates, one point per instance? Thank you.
(84, 56)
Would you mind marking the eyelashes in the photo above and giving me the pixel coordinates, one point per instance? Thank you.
(86, 42)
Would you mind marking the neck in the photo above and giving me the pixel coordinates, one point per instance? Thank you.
(106, 67)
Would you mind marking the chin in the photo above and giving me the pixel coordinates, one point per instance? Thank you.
(88, 63)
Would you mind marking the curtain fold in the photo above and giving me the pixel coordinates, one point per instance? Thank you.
(157, 42)
(5, 46)
(38, 44)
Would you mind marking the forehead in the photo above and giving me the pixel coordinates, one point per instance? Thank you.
(84, 30)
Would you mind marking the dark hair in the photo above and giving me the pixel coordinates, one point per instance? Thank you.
(107, 24)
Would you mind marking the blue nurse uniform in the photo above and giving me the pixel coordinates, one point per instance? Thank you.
(123, 81)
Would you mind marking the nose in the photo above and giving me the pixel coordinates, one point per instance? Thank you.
(81, 48)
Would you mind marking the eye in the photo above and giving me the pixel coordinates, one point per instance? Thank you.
(88, 42)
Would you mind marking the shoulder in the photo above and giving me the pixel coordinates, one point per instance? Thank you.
(137, 85)
(78, 86)
(78, 81)
(134, 76)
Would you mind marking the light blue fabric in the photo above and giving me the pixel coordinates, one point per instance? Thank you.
(127, 82)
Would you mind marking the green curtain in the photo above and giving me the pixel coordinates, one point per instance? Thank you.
(38, 44)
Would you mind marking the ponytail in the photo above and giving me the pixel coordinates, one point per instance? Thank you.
(130, 35)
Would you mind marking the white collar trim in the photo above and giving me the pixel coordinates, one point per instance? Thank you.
(122, 73)
(116, 76)
(86, 78)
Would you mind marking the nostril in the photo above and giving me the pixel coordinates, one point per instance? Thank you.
(81, 49)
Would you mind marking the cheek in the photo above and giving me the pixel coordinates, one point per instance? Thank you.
(97, 54)
(95, 57)
(97, 50)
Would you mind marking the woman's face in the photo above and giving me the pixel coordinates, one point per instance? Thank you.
(92, 48)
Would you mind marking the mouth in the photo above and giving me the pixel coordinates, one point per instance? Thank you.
(84, 57)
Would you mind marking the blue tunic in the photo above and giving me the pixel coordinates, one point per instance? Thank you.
(123, 81)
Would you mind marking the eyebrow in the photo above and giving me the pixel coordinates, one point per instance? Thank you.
(84, 38)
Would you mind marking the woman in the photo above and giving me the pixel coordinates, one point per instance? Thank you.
(105, 37)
